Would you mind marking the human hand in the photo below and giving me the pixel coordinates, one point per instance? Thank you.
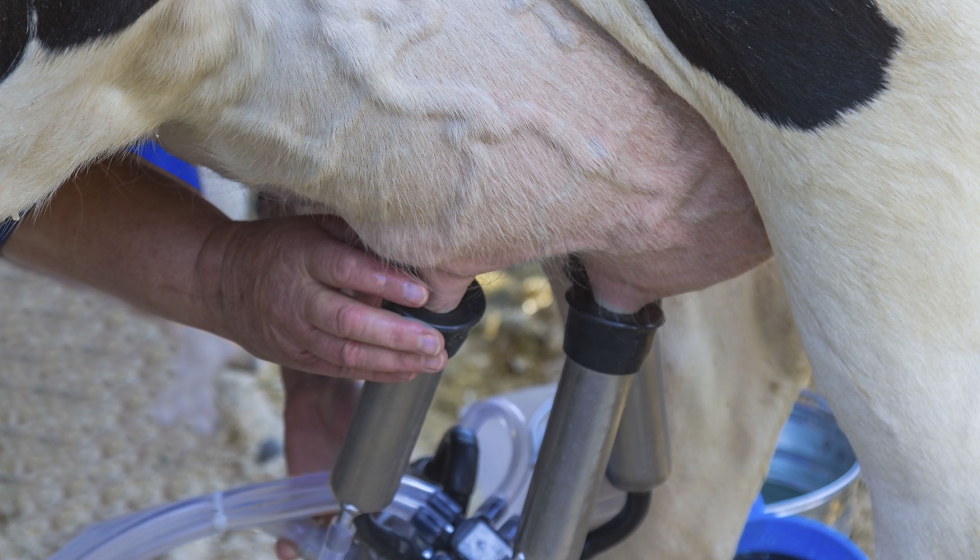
(274, 286)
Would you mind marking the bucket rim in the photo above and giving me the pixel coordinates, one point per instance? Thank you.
(814, 499)
(820, 496)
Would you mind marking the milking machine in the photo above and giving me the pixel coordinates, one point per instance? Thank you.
(385, 508)
(386, 424)
(604, 352)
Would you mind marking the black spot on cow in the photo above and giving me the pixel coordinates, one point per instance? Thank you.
(797, 63)
(14, 32)
(61, 24)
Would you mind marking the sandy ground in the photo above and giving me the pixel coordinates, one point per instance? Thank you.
(83, 378)
(80, 379)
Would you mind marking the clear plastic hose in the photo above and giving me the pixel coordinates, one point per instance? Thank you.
(147, 534)
(150, 533)
(281, 507)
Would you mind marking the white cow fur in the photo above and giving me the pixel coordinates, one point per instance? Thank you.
(394, 115)
(408, 119)
(874, 226)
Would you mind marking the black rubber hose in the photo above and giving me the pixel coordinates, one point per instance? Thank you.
(385, 543)
(615, 531)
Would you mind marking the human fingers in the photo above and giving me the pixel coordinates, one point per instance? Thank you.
(309, 362)
(347, 318)
(343, 267)
(354, 355)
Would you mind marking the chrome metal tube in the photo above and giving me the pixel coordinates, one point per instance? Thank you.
(388, 416)
(640, 459)
(386, 424)
(571, 462)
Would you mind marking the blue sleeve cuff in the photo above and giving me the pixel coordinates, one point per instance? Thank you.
(6, 228)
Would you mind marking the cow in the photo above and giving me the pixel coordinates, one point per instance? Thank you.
(857, 136)
(465, 137)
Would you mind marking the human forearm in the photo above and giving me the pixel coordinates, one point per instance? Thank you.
(124, 228)
(273, 286)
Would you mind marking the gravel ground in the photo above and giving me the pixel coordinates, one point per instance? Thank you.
(80, 379)
(81, 382)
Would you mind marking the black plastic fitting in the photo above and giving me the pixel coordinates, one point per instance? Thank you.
(384, 542)
(492, 510)
(608, 342)
(455, 326)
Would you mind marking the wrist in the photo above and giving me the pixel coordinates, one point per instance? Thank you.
(211, 313)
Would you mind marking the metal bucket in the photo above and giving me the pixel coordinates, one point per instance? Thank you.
(814, 471)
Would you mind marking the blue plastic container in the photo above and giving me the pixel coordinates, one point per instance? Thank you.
(154, 154)
(812, 474)
(767, 537)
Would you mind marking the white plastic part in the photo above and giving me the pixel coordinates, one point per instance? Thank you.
(521, 450)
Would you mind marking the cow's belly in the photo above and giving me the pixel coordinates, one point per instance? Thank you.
(471, 136)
